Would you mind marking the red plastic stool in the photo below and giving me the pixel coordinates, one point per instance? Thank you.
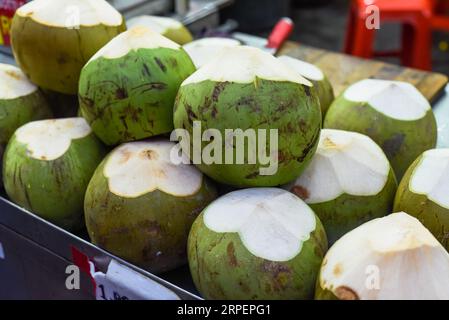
(416, 19)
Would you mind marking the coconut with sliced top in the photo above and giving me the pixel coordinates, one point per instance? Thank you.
(47, 166)
(423, 193)
(140, 205)
(206, 49)
(348, 182)
(394, 114)
(53, 39)
(390, 258)
(128, 88)
(316, 76)
(264, 119)
(261, 243)
(168, 27)
(20, 102)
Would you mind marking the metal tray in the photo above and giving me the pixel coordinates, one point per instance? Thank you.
(34, 255)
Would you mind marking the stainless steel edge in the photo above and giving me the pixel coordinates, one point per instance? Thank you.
(59, 242)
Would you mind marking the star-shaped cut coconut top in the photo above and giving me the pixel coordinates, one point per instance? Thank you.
(204, 50)
(50, 139)
(14, 83)
(394, 257)
(71, 13)
(396, 99)
(137, 168)
(345, 163)
(243, 64)
(431, 177)
(272, 223)
(132, 40)
(307, 70)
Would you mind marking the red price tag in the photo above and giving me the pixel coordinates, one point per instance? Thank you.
(7, 10)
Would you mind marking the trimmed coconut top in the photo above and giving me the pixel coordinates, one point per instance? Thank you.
(71, 13)
(307, 70)
(48, 140)
(272, 223)
(431, 176)
(243, 64)
(136, 38)
(394, 257)
(204, 50)
(137, 168)
(14, 83)
(396, 99)
(345, 163)
(157, 24)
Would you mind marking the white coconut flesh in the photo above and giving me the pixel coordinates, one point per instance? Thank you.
(307, 70)
(132, 40)
(243, 64)
(71, 13)
(344, 163)
(431, 177)
(137, 168)
(13, 83)
(50, 139)
(204, 50)
(272, 223)
(158, 24)
(395, 99)
(394, 257)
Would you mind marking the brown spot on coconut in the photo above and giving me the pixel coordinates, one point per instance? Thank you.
(275, 239)
(229, 79)
(349, 182)
(153, 199)
(393, 113)
(119, 101)
(320, 81)
(394, 257)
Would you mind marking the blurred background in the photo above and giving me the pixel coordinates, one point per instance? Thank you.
(319, 23)
(323, 24)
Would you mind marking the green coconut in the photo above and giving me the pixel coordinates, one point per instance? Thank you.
(20, 102)
(261, 243)
(47, 167)
(316, 76)
(394, 114)
(127, 90)
(423, 193)
(206, 49)
(251, 104)
(348, 182)
(53, 39)
(168, 27)
(390, 258)
(140, 206)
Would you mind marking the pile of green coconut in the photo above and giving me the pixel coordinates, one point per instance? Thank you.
(246, 166)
